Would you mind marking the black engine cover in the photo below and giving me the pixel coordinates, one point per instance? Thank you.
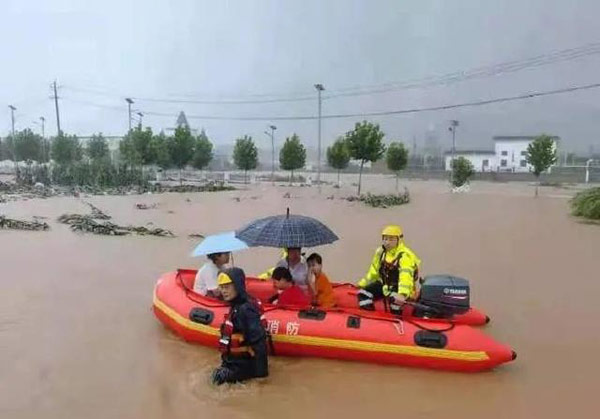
(447, 295)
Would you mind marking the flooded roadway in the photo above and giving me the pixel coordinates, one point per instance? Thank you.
(78, 338)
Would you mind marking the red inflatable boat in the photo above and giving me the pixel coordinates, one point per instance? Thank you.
(337, 334)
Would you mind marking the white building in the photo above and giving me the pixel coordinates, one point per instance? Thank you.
(482, 160)
(509, 155)
(511, 152)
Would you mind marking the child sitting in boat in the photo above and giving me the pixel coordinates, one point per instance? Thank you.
(296, 264)
(289, 294)
(206, 278)
(322, 291)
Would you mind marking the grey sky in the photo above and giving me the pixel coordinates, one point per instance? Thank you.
(232, 49)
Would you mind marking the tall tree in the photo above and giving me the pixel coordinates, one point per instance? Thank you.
(158, 151)
(462, 170)
(28, 146)
(97, 149)
(541, 155)
(128, 153)
(6, 150)
(66, 149)
(292, 155)
(365, 143)
(181, 148)
(245, 155)
(338, 156)
(203, 151)
(397, 159)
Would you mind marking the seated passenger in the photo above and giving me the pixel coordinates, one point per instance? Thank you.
(289, 294)
(297, 266)
(322, 291)
(206, 278)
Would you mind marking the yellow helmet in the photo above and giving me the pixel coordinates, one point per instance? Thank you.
(223, 279)
(392, 230)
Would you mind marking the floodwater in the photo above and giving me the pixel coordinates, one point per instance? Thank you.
(78, 338)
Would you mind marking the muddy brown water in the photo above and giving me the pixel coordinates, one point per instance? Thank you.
(78, 338)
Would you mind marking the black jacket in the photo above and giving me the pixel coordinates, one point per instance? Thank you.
(245, 316)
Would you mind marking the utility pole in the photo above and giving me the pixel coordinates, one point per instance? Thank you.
(57, 112)
(141, 115)
(12, 119)
(12, 132)
(453, 125)
(43, 138)
(319, 88)
(129, 102)
(272, 135)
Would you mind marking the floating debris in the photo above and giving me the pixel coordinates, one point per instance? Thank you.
(11, 224)
(382, 201)
(97, 213)
(196, 236)
(146, 206)
(87, 224)
(287, 195)
(14, 192)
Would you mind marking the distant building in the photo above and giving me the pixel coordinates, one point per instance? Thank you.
(511, 152)
(182, 122)
(509, 155)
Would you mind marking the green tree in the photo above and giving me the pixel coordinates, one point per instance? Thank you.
(541, 155)
(6, 149)
(66, 149)
(397, 159)
(338, 156)
(292, 155)
(462, 170)
(97, 149)
(136, 146)
(365, 143)
(181, 148)
(28, 146)
(245, 155)
(128, 153)
(159, 151)
(203, 151)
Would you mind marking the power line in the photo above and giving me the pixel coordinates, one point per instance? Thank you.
(445, 79)
(392, 112)
(361, 114)
(479, 72)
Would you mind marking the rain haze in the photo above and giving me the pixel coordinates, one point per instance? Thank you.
(397, 280)
(158, 52)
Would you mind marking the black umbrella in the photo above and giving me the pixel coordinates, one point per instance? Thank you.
(286, 231)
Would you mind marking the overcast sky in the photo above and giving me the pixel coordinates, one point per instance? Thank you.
(101, 52)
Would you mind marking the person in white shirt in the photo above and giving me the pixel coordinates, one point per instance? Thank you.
(297, 266)
(206, 278)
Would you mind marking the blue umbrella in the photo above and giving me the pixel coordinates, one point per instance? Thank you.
(219, 243)
(286, 231)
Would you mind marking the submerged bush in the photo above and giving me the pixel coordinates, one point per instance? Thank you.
(587, 204)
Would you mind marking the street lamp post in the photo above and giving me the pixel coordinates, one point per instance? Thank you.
(12, 120)
(453, 125)
(129, 102)
(319, 88)
(141, 115)
(272, 135)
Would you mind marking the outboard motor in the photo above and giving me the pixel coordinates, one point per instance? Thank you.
(446, 295)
